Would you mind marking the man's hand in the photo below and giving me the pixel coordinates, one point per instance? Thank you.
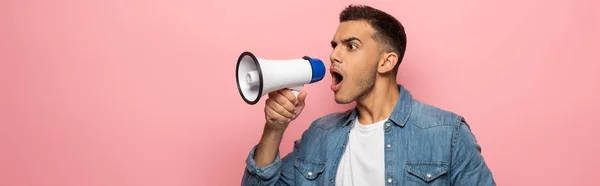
(281, 108)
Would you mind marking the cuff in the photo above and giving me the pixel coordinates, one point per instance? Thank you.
(264, 173)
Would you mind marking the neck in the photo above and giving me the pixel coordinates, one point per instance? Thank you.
(379, 102)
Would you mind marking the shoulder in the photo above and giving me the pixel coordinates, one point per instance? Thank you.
(424, 115)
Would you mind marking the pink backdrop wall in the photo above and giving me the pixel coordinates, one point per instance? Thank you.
(132, 92)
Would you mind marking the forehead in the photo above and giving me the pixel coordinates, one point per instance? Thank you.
(360, 29)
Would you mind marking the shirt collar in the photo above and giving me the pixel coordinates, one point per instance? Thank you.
(400, 113)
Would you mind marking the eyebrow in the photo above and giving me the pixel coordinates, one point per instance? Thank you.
(334, 44)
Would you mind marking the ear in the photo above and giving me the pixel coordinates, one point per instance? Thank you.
(387, 63)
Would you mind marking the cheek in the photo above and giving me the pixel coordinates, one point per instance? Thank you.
(359, 70)
(356, 66)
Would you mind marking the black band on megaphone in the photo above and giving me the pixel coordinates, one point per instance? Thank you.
(237, 79)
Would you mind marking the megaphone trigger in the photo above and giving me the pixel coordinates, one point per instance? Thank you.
(296, 90)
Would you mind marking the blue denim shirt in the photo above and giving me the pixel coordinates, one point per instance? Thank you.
(427, 146)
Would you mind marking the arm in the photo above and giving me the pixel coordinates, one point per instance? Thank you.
(279, 173)
(264, 165)
(468, 166)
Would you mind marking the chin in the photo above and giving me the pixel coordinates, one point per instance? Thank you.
(340, 99)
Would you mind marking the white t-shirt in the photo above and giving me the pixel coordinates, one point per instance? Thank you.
(363, 161)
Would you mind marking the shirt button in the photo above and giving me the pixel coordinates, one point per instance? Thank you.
(331, 182)
(389, 145)
(389, 180)
(387, 124)
(343, 145)
(309, 173)
(428, 175)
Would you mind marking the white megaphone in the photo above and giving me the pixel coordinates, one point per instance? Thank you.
(256, 77)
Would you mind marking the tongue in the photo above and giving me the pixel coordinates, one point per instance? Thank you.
(334, 86)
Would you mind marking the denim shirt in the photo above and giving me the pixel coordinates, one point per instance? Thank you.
(424, 145)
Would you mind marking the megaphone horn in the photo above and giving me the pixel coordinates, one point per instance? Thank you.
(256, 77)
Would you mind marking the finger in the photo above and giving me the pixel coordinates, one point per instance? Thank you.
(273, 94)
(272, 115)
(283, 101)
(289, 95)
(302, 96)
(280, 109)
(301, 102)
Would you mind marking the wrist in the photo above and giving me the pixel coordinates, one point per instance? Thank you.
(274, 130)
(272, 134)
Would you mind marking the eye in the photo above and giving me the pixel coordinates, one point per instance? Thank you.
(351, 46)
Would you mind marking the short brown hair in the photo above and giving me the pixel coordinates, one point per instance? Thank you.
(389, 31)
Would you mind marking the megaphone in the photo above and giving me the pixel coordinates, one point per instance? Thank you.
(256, 77)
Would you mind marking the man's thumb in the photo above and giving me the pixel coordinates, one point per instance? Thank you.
(302, 97)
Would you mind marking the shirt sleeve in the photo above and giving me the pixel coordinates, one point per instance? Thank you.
(468, 165)
(280, 172)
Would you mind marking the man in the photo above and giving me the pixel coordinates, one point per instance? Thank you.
(387, 139)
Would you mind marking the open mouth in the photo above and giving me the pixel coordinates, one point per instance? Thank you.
(336, 79)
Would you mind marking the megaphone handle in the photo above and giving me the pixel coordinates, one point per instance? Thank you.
(296, 90)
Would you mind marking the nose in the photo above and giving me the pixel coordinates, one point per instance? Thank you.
(335, 56)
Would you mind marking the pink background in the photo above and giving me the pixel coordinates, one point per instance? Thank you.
(137, 92)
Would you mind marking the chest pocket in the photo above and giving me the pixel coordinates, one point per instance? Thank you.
(426, 173)
(310, 170)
